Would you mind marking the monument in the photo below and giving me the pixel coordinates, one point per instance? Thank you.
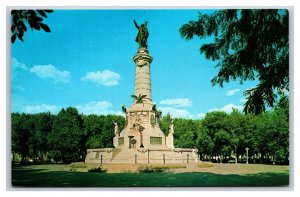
(141, 140)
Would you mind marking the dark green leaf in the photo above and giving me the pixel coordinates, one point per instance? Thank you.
(30, 23)
(35, 25)
(23, 26)
(13, 12)
(15, 18)
(20, 37)
(42, 13)
(48, 11)
(13, 27)
(45, 27)
(31, 13)
(13, 38)
(38, 19)
(21, 32)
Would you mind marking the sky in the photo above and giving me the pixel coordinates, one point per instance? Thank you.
(87, 62)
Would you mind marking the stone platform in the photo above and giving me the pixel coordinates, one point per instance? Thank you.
(141, 156)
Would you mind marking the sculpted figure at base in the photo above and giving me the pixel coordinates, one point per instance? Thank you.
(171, 128)
(117, 131)
(142, 35)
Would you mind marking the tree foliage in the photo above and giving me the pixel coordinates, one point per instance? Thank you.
(248, 44)
(21, 127)
(62, 137)
(21, 18)
(67, 133)
(164, 123)
(66, 136)
(186, 132)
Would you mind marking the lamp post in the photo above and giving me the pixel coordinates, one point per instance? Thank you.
(247, 149)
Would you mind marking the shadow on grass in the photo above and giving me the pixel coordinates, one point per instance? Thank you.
(43, 178)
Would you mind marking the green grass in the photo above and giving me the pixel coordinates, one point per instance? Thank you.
(77, 166)
(39, 177)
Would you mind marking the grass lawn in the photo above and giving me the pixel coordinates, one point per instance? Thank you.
(54, 176)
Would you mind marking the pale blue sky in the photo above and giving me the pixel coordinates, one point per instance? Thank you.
(86, 62)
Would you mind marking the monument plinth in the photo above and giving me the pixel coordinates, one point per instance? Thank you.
(141, 140)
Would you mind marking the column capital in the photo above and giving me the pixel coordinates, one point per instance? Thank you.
(142, 57)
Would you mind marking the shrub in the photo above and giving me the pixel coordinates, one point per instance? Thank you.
(145, 169)
(205, 165)
(97, 169)
(149, 169)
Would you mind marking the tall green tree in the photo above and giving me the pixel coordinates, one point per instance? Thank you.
(92, 128)
(279, 133)
(215, 121)
(272, 136)
(222, 143)
(205, 145)
(42, 126)
(186, 132)
(21, 127)
(238, 140)
(100, 130)
(248, 44)
(66, 136)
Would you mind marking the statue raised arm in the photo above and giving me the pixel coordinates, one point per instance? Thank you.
(142, 35)
(136, 25)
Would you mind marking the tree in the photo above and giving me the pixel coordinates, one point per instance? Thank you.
(214, 121)
(250, 127)
(33, 18)
(21, 127)
(92, 129)
(205, 145)
(222, 143)
(99, 130)
(278, 131)
(94, 142)
(236, 122)
(186, 133)
(66, 136)
(272, 136)
(42, 126)
(107, 129)
(249, 44)
(164, 123)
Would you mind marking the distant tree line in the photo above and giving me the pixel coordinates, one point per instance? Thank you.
(219, 137)
(63, 137)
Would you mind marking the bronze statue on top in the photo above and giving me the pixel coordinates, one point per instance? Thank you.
(143, 34)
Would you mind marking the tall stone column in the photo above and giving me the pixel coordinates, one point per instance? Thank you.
(142, 74)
